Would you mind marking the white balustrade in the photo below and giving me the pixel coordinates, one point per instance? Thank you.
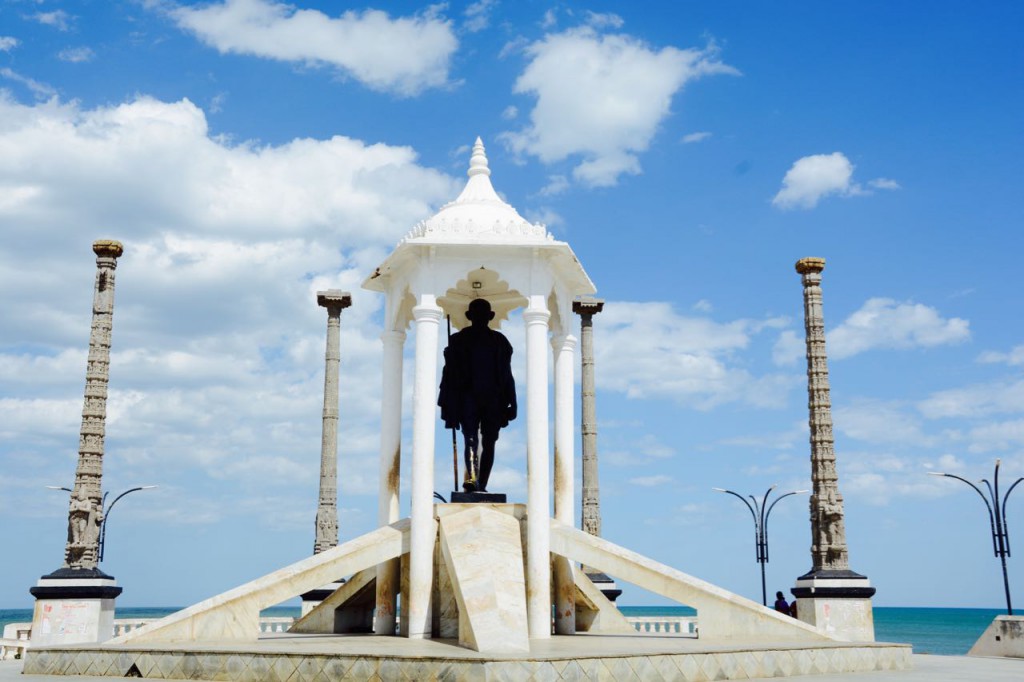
(668, 625)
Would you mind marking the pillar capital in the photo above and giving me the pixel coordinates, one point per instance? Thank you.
(808, 266)
(588, 305)
(564, 342)
(536, 316)
(333, 299)
(427, 313)
(108, 248)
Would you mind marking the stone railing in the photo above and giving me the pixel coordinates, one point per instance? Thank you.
(15, 640)
(122, 626)
(17, 635)
(664, 625)
(278, 624)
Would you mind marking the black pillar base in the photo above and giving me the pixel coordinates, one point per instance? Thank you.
(604, 583)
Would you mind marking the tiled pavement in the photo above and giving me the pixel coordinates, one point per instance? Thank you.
(291, 658)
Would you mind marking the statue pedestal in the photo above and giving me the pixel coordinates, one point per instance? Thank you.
(74, 606)
(491, 498)
(838, 602)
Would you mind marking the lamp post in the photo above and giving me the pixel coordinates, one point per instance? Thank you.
(996, 519)
(106, 511)
(761, 510)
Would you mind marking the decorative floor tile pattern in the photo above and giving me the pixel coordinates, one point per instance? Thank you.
(239, 666)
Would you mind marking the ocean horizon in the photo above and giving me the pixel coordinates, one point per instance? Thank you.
(930, 630)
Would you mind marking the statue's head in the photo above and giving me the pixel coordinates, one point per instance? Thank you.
(479, 311)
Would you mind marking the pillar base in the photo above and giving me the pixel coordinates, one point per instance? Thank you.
(838, 602)
(74, 606)
(604, 583)
(312, 599)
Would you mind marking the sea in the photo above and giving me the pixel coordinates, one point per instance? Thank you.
(939, 631)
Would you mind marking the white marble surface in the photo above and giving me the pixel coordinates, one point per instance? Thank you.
(484, 558)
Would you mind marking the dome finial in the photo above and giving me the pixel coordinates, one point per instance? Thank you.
(478, 161)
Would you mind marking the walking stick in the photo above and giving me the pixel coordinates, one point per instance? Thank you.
(455, 445)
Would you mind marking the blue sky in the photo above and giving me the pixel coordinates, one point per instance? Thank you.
(250, 153)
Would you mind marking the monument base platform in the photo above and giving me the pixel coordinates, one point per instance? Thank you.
(838, 602)
(73, 606)
(364, 657)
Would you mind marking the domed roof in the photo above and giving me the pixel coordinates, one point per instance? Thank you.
(478, 214)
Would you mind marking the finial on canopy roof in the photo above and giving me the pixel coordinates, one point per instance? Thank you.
(478, 161)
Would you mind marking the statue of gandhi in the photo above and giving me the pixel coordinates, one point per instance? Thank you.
(478, 393)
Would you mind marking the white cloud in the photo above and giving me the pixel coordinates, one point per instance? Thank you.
(651, 481)
(544, 215)
(8, 43)
(40, 90)
(812, 178)
(557, 184)
(603, 20)
(885, 323)
(600, 98)
(695, 137)
(76, 55)
(363, 45)
(509, 113)
(1013, 358)
(879, 323)
(217, 359)
(881, 422)
(788, 348)
(884, 183)
(647, 350)
(478, 15)
(978, 400)
(815, 177)
(59, 19)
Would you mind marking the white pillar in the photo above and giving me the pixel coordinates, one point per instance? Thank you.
(423, 530)
(538, 537)
(564, 347)
(390, 468)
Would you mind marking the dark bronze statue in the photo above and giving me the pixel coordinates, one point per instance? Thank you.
(478, 393)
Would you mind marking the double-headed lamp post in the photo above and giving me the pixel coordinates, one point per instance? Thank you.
(996, 520)
(761, 510)
(106, 510)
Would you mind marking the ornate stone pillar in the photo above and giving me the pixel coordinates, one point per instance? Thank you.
(586, 308)
(86, 509)
(75, 604)
(423, 530)
(564, 347)
(590, 517)
(830, 595)
(388, 574)
(326, 526)
(327, 509)
(538, 528)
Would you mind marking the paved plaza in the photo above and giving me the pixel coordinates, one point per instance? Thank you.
(926, 669)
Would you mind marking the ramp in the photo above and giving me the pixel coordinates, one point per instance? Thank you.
(722, 614)
(234, 615)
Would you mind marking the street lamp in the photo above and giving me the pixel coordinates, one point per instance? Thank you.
(760, 513)
(106, 511)
(996, 520)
